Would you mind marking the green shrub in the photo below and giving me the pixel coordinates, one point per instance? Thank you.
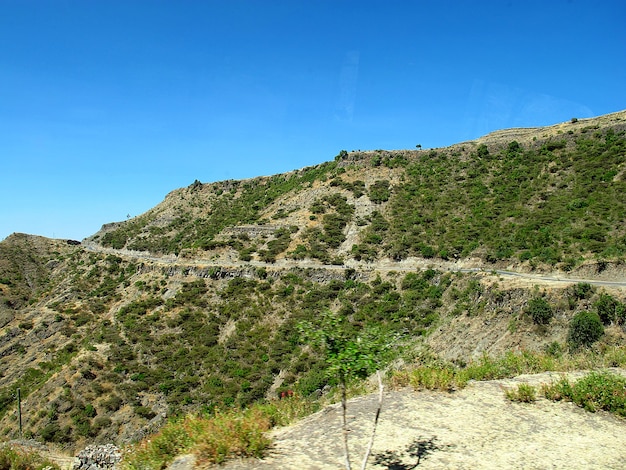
(596, 391)
(584, 329)
(539, 310)
(52, 432)
(214, 439)
(610, 310)
(582, 290)
(380, 192)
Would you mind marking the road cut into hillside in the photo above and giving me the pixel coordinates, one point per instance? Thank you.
(617, 280)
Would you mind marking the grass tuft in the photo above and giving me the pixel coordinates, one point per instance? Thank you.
(524, 393)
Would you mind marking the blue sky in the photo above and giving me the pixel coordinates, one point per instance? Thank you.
(107, 105)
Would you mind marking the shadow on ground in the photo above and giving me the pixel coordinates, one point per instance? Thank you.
(414, 453)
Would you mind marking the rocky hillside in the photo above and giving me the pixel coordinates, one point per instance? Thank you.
(522, 197)
(196, 303)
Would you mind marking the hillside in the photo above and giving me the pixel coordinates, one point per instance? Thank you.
(550, 198)
(195, 305)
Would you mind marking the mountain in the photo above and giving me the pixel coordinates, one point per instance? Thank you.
(196, 304)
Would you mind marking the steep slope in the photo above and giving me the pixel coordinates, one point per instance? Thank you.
(196, 303)
(549, 198)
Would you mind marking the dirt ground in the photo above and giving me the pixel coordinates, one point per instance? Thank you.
(475, 428)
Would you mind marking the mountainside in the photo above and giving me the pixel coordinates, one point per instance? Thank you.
(196, 303)
(549, 196)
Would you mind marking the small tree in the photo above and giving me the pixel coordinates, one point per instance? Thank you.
(341, 156)
(540, 310)
(585, 329)
(610, 310)
(350, 354)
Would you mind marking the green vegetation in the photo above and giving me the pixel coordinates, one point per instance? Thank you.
(524, 393)
(610, 310)
(337, 213)
(596, 391)
(204, 335)
(229, 203)
(539, 310)
(18, 458)
(216, 437)
(349, 355)
(552, 204)
(380, 192)
(585, 329)
(236, 433)
(433, 374)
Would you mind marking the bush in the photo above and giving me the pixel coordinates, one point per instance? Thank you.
(596, 391)
(582, 290)
(585, 329)
(610, 310)
(380, 192)
(213, 439)
(540, 311)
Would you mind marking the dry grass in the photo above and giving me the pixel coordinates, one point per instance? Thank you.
(216, 438)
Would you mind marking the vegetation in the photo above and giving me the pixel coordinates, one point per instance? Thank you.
(553, 202)
(433, 374)
(540, 310)
(102, 344)
(218, 436)
(596, 391)
(524, 393)
(585, 329)
(210, 437)
(18, 458)
(348, 357)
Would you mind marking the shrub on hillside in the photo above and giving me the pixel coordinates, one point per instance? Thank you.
(610, 310)
(539, 310)
(585, 329)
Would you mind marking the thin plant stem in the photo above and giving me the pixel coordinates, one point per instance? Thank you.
(368, 451)
(344, 406)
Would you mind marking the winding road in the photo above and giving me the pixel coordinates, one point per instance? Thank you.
(407, 265)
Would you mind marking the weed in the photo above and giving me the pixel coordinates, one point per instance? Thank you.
(524, 393)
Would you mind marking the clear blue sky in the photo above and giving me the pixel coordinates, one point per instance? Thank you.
(107, 105)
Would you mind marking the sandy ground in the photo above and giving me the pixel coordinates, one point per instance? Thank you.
(475, 428)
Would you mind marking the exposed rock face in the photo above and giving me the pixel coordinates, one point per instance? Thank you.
(98, 457)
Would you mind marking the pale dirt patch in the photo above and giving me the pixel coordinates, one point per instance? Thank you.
(475, 428)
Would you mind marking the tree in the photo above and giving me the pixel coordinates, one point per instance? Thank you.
(350, 353)
(585, 329)
(540, 310)
(341, 156)
(610, 310)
